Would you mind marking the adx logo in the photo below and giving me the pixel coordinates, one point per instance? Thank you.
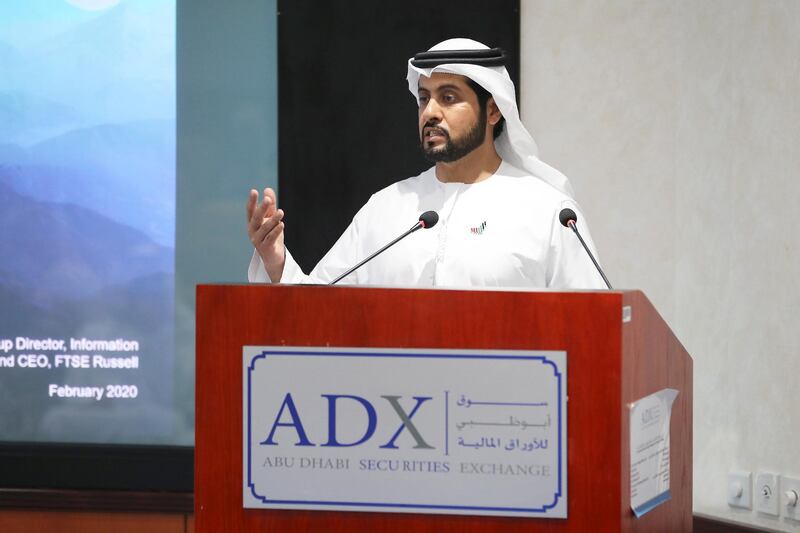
(289, 417)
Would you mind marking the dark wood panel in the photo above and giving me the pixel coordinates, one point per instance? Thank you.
(60, 521)
(704, 524)
(89, 522)
(154, 502)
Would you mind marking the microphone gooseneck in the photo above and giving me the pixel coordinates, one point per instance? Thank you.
(427, 220)
(569, 219)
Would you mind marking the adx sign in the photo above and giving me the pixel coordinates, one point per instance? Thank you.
(423, 431)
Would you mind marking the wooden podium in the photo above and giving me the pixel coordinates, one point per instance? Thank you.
(611, 363)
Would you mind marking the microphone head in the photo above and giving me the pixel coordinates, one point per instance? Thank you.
(566, 216)
(429, 219)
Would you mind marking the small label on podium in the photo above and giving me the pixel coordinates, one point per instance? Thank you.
(415, 431)
(650, 459)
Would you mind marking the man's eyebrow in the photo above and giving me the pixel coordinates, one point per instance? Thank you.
(445, 87)
(448, 87)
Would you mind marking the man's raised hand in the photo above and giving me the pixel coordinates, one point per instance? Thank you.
(265, 229)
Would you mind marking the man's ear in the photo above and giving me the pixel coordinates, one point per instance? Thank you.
(493, 114)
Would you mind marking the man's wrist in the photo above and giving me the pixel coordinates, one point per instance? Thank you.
(275, 271)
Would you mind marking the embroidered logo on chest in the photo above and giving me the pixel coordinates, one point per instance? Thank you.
(479, 230)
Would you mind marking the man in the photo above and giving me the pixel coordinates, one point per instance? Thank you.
(498, 203)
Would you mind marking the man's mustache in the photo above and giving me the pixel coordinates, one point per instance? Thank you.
(434, 125)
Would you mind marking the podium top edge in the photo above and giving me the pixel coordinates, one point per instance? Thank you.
(414, 288)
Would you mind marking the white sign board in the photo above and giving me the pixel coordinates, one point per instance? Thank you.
(422, 431)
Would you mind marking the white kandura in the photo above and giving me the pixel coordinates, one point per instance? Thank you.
(500, 232)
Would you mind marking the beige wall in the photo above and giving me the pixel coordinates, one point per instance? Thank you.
(679, 125)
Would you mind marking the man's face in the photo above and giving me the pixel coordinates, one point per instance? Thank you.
(451, 121)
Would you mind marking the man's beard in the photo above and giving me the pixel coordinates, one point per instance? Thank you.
(455, 150)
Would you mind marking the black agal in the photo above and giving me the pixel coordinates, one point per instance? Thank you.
(492, 57)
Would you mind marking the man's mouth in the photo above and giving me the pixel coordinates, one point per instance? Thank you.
(430, 133)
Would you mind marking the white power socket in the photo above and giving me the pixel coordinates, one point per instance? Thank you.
(767, 497)
(790, 497)
(740, 489)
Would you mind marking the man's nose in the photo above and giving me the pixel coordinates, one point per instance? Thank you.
(431, 111)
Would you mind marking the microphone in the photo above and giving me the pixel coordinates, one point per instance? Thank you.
(427, 220)
(569, 219)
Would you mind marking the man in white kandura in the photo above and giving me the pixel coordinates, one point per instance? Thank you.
(498, 204)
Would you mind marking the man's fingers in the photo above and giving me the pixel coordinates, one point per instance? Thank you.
(273, 235)
(271, 201)
(260, 213)
(255, 211)
(251, 203)
(268, 236)
(262, 217)
(269, 225)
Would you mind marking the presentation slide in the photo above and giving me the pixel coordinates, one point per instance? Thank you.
(87, 221)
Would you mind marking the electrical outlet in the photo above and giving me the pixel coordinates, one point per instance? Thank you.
(740, 489)
(790, 497)
(767, 497)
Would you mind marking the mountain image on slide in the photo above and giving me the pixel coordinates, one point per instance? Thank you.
(59, 250)
(87, 111)
(112, 67)
(123, 171)
(87, 148)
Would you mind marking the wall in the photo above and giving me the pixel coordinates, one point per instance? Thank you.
(226, 144)
(679, 125)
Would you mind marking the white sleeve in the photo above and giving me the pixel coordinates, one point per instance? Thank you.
(568, 264)
(292, 273)
(256, 273)
(339, 258)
